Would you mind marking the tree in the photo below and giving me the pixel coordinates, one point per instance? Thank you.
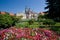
(7, 21)
(54, 9)
(42, 17)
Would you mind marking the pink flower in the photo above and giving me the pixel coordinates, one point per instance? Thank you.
(40, 34)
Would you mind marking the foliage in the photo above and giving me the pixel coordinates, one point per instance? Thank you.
(31, 21)
(54, 9)
(57, 24)
(33, 26)
(27, 34)
(42, 26)
(19, 18)
(49, 22)
(22, 24)
(27, 25)
(42, 17)
(56, 29)
(6, 20)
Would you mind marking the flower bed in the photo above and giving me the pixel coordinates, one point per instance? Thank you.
(27, 34)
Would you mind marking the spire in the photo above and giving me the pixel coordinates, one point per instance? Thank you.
(27, 10)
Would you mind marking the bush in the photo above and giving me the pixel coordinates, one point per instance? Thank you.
(49, 22)
(22, 24)
(43, 26)
(31, 22)
(56, 29)
(33, 26)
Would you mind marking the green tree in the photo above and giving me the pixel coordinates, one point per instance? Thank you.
(53, 7)
(6, 21)
(42, 17)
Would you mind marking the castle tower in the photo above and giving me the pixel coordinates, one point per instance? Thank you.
(27, 10)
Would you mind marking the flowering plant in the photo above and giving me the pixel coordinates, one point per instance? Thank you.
(27, 34)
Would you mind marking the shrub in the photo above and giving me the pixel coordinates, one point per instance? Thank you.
(22, 24)
(33, 26)
(49, 22)
(31, 21)
(56, 29)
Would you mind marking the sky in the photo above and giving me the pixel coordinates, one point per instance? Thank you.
(15, 6)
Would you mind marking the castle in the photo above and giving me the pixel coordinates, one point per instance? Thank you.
(28, 14)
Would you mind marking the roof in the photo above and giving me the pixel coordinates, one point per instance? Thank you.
(12, 14)
(2, 13)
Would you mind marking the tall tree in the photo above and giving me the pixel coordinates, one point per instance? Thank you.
(54, 8)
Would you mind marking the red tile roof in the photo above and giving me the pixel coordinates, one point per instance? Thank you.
(2, 13)
(12, 14)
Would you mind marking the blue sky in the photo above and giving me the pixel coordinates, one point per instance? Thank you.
(15, 6)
